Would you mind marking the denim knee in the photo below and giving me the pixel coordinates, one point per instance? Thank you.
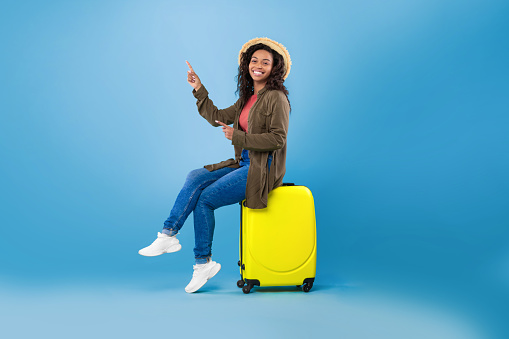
(194, 174)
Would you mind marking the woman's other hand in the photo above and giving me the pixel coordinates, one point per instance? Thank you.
(228, 131)
(192, 78)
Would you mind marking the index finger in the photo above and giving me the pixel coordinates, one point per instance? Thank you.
(222, 124)
(188, 64)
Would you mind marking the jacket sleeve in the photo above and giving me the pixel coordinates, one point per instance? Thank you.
(276, 137)
(210, 112)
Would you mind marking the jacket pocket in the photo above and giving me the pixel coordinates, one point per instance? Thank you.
(262, 121)
(221, 164)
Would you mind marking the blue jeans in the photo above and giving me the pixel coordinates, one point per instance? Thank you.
(202, 193)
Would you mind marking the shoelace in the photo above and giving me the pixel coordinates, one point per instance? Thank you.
(197, 268)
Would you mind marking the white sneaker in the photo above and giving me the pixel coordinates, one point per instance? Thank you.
(163, 244)
(202, 273)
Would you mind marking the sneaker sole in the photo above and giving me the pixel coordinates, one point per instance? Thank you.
(174, 248)
(212, 273)
(171, 249)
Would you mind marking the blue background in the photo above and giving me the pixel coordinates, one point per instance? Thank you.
(399, 127)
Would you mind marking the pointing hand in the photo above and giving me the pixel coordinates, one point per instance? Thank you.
(228, 131)
(192, 78)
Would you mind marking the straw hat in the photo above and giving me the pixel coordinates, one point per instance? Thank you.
(275, 46)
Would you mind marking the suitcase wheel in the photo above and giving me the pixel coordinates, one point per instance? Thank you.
(240, 283)
(307, 287)
(246, 289)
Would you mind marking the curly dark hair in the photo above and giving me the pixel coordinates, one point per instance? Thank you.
(275, 80)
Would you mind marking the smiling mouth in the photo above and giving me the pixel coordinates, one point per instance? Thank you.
(257, 73)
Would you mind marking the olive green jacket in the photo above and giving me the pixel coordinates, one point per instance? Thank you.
(267, 128)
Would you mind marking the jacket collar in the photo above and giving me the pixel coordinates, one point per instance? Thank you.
(262, 90)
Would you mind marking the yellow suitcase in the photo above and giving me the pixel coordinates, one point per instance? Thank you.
(278, 243)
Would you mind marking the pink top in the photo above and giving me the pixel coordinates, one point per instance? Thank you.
(245, 112)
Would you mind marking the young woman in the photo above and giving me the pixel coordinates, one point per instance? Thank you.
(260, 125)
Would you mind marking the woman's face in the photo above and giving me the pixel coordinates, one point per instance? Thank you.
(260, 65)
